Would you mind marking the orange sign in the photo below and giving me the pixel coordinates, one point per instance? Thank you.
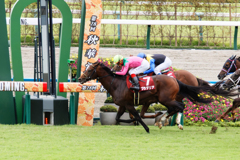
(90, 55)
(77, 87)
(23, 86)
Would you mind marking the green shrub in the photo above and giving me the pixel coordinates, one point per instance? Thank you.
(56, 39)
(159, 107)
(108, 108)
(109, 100)
(75, 40)
(150, 109)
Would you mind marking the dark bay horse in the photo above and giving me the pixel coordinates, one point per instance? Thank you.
(187, 78)
(229, 84)
(166, 91)
(230, 66)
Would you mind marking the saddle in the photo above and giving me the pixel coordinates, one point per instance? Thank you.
(146, 83)
(166, 71)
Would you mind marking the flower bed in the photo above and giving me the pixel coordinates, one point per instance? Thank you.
(209, 112)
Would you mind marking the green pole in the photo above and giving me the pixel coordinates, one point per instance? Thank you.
(81, 36)
(72, 109)
(173, 120)
(72, 106)
(7, 110)
(235, 38)
(148, 36)
(28, 108)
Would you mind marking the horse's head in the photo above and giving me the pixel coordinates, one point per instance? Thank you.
(89, 73)
(228, 67)
(232, 81)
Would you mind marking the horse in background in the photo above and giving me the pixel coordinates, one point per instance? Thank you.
(231, 65)
(230, 84)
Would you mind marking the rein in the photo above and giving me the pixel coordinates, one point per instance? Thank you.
(94, 70)
(111, 81)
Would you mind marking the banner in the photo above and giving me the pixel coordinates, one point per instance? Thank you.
(77, 87)
(23, 86)
(90, 55)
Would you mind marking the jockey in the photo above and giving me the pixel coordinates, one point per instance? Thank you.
(158, 62)
(135, 64)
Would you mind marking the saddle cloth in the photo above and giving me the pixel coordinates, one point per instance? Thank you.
(167, 72)
(170, 73)
(146, 83)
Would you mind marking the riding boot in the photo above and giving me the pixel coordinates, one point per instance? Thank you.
(135, 84)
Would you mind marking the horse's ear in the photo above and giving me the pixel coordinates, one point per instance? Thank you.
(234, 57)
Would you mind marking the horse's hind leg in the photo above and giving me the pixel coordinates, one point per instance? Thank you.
(178, 106)
(159, 123)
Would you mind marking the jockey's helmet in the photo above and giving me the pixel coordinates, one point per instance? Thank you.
(141, 55)
(117, 58)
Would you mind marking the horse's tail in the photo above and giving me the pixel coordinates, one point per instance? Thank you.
(192, 92)
(216, 89)
(202, 82)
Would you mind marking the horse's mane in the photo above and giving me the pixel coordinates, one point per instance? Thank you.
(238, 58)
(108, 70)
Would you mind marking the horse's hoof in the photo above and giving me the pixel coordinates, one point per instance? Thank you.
(180, 126)
(216, 121)
(213, 130)
(235, 119)
(147, 130)
(166, 123)
(160, 125)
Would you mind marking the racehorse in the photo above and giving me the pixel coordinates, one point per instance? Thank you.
(165, 92)
(230, 84)
(187, 78)
(230, 66)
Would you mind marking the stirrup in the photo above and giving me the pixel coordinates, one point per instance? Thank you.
(135, 87)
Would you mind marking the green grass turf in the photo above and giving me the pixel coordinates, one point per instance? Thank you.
(117, 142)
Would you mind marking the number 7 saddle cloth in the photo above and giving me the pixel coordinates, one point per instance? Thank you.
(146, 83)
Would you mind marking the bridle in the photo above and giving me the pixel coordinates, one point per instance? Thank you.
(235, 82)
(94, 71)
(232, 60)
(90, 75)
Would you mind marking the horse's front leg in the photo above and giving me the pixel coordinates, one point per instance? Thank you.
(133, 111)
(224, 114)
(120, 112)
(236, 103)
(131, 116)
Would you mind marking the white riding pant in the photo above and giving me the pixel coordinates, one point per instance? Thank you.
(140, 69)
(167, 63)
